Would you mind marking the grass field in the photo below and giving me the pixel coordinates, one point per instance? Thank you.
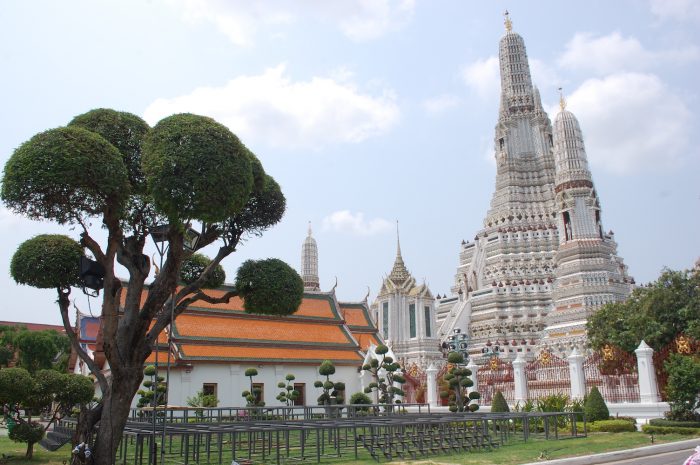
(512, 454)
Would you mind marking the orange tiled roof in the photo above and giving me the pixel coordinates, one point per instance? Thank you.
(267, 354)
(365, 340)
(355, 315)
(242, 328)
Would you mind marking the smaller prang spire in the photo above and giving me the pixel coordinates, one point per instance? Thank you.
(309, 263)
(562, 100)
(507, 22)
(399, 274)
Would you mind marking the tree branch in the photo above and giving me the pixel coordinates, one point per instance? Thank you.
(63, 304)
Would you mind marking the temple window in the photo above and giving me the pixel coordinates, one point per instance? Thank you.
(567, 226)
(385, 320)
(412, 320)
(427, 321)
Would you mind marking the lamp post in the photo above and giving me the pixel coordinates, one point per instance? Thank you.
(490, 350)
(459, 342)
(159, 235)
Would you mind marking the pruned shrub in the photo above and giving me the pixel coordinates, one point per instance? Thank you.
(594, 406)
(612, 426)
(651, 429)
(499, 404)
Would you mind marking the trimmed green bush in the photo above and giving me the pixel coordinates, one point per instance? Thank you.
(499, 404)
(594, 407)
(681, 424)
(649, 429)
(611, 426)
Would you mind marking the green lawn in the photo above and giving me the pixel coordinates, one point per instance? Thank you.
(511, 454)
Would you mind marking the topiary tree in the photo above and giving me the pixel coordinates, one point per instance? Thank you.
(21, 395)
(387, 377)
(332, 392)
(594, 406)
(683, 388)
(458, 381)
(194, 266)
(288, 394)
(252, 395)
(499, 404)
(154, 394)
(360, 398)
(108, 171)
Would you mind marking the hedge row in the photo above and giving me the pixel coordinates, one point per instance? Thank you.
(611, 426)
(669, 430)
(682, 424)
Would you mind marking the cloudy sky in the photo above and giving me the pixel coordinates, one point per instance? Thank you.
(372, 111)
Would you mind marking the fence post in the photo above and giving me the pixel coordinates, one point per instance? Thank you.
(520, 378)
(648, 389)
(577, 377)
(431, 374)
(474, 368)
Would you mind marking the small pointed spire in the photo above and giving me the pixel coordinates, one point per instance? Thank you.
(399, 273)
(309, 228)
(398, 240)
(507, 22)
(562, 100)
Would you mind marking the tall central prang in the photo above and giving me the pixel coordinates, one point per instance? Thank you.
(507, 287)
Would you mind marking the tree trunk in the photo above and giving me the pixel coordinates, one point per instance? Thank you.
(30, 451)
(115, 412)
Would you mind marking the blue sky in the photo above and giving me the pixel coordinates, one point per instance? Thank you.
(372, 111)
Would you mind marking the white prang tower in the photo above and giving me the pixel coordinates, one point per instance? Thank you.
(309, 263)
(589, 272)
(540, 265)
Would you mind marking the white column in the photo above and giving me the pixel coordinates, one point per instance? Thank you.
(648, 389)
(578, 379)
(475, 371)
(432, 394)
(520, 378)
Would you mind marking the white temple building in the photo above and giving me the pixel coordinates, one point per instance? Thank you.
(404, 312)
(541, 264)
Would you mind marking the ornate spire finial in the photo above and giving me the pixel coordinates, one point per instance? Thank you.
(398, 241)
(508, 23)
(309, 228)
(562, 100)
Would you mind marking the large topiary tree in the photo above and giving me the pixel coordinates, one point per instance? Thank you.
(331, 392)
(499, 404)
(109, 171)
(387, 376)
(458, 382)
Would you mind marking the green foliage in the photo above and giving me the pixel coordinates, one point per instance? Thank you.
(594, 406)
(269, 287)
(156, 388)
(683, 388)
(332, 392)
(15, 383)
(63, 174)
(656, 313)
(456, 384)
(386, 385)
(264, 209)
(612, 426)
(38, 349)
(288, 394)
(200, 401)
(252, 395)
(124, 131)
(499, 404)
(29, 433)
(47, 261)
(554, 403)
(681, 424)
(360, 398)
(650, 429)
(196, 169)
(194, 266)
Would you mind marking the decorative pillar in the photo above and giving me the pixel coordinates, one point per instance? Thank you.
(520, 378)
(432, 394)
(576, 374)
(474, 376)
(648, 388)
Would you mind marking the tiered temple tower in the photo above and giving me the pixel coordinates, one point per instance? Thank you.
(503, 292)
(588, 273)
(405, 315)
(309, 263)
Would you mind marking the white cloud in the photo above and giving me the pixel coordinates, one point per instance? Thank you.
(355, 223)
(615, 53)
(272, 109)
(632, 122)
(679, 10)
(242, 20)
(483, 77)
(440, 104)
